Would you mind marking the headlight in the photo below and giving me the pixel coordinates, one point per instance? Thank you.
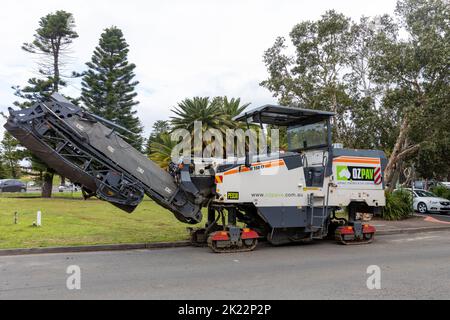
(434, 202)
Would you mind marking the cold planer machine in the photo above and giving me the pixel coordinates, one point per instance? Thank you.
(79, 146)
(283, 197)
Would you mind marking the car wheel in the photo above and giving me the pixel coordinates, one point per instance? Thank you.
(23, 190)
(422, 208)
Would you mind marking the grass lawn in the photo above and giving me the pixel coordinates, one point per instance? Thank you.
(78, 222)
(65, 195)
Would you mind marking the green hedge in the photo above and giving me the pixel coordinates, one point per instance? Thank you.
(399, 205)
(442, 192)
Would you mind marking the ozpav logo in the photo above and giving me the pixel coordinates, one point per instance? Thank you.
(348, 173)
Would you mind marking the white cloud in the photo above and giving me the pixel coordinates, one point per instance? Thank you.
(181, 48)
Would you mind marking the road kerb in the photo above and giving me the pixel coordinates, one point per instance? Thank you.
(165, 245)
(411, 230)
(94, 248)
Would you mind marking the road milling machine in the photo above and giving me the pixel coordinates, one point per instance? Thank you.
(284, 197)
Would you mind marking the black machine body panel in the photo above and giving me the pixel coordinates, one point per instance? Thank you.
(78, 146)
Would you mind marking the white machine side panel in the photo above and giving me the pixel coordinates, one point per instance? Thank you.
(265, 184)
(357, 179)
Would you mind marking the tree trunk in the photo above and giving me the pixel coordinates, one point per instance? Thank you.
(393, 160)
(12, 169)
(56, 69)
(336, 124)
(396, 176)
(47, 185)
(402, 150)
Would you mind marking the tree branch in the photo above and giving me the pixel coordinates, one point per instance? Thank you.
(410, 150)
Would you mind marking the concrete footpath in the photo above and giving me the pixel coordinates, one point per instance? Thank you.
(418, 223)
(415, 224)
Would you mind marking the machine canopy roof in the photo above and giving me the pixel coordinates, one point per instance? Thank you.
(283, 116)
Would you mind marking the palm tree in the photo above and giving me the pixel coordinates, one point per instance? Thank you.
(233, 108)
(207, 111)
(217, 113)
(214, 113)
(161, 150)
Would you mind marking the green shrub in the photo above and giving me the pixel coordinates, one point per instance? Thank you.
(399, 205)
(441, 191)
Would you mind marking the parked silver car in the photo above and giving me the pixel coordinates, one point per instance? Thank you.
(425, 201)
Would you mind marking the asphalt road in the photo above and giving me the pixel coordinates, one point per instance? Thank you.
(413, 266)
(439, 216)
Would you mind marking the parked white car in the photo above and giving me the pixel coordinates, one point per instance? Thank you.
(68, 187)
(445, 184)
(426, 201)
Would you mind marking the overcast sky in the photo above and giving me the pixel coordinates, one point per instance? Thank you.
(182, 48)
